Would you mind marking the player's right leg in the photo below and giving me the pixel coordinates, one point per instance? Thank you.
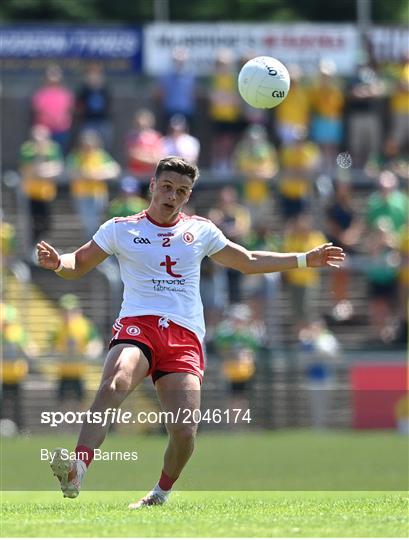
(125, 367)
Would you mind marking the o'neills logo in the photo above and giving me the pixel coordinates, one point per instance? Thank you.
(188, 237)
(133, 330)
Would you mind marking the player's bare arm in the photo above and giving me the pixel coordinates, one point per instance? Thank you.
(70, 265)
(261, 262)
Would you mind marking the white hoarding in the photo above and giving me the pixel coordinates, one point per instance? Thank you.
(304, 44)
(389, 44)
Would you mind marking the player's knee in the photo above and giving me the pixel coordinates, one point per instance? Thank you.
(183, 432)
(116, 388)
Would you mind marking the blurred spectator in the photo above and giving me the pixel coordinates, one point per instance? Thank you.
(178, 142)
(53, 105)
(177, 89)
(73, 341)
(234, 220)
(41, 162)
(213, 293)
(129, 200)
(365, 126)
(399, 106)
(387, 220)
(403, 246)
(382, 276)
(327, 105)
(299, 161)
(302, 283)
(16, 351)
(224, 111)
(256, 159)
(144, 146)
(320, 349)
(400, 166)
(386, 158)
(88, 167)
(293, 113)
(401, 410)
(388, 203)
(344, 229)
(8, 242)
(237, 343)
(93, 104)
(262, 289)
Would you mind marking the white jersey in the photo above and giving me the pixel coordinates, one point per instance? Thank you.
(160, 265)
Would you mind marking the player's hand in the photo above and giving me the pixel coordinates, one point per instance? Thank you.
(47, 256)
(325, 255)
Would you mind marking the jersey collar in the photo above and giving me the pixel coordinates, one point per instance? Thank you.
(163, 224)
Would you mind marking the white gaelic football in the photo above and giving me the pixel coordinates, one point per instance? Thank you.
(264, 82)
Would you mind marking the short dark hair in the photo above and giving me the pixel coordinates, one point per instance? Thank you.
(178, 165)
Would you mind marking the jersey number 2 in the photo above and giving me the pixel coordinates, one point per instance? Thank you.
(166, 242)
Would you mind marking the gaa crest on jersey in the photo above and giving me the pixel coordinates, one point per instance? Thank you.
(188, 237)
(133, 330)
(141, 240)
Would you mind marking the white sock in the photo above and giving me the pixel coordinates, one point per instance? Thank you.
(81, 469)
(159, 491)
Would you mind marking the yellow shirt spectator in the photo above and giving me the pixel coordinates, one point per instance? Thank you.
(404, 253)
(297, 162)
(74, 339)
(41, 161)
(256, 159)
(327, 100)
(400, 98)
(14, 341)
(88, 165)
(295, 109)
(224, 99)
(7, 240)
(295, 242)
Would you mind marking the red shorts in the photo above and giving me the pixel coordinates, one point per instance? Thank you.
(169, 347)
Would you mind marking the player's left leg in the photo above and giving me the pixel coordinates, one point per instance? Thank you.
(179, 394)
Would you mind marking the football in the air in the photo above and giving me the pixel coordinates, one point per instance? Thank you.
(264, 82)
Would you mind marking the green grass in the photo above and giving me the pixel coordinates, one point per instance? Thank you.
(299, 460)
(208, 514)
(272, 484)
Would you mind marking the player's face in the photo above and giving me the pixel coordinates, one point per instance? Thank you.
(170, 191)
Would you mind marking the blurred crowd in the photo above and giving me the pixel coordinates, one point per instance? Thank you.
(273, 167)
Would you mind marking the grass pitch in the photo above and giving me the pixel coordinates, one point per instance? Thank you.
(208, 514)
(276, 484)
